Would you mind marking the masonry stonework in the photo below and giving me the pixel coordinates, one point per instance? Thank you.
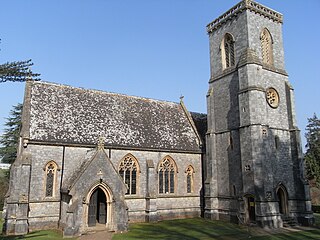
(254, 161)
(89, 158)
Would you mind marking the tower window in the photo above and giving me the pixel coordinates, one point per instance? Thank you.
(266, 46)
(231, 141)
(276, 141)
(166, 173)
(128, 170)
(228, 55)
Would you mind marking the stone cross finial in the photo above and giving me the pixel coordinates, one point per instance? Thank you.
(100, 173)
(101, 142)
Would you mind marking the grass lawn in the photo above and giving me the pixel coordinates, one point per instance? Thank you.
(198, 228)
(187, 229)
(37, 235)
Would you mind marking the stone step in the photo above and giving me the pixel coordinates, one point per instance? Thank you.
(289, 222)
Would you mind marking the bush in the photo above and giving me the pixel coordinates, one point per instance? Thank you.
(316, 208)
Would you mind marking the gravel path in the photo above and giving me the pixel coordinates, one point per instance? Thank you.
(101, 235)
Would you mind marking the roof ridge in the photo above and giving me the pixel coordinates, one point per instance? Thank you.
(103, 91)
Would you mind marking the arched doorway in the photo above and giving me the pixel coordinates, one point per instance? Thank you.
(97, 213)
(250, 209)
(283, 200)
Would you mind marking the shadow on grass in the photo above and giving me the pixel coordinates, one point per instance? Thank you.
(198, 228)
(301, 235)
(187, 229)
(37, 235)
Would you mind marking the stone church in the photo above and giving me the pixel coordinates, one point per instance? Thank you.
(91, 159)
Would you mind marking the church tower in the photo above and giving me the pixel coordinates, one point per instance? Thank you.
(254, 158)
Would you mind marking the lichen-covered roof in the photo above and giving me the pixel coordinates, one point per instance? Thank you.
(200, 121)
(65, 114)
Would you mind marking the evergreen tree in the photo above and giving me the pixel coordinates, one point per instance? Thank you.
(17, 72)
(10, 137)
(312, 156)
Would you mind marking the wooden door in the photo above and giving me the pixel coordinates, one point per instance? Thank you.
(102, 212)
(92, 214)
(252, 209)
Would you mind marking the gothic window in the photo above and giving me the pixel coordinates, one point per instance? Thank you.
(51, 169)
(190, 173)
(276, 141)
(266, 46)
(128, 170)
(167, 172)
(228, 55)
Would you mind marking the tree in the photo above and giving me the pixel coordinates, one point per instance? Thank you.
(10, 137)
(312, 156)
(17, 72)
(4, 183)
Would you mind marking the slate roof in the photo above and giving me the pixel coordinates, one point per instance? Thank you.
(200, 120)
(64, 114)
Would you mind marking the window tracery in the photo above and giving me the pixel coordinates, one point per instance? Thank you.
(128, 170)
(190, 172)
(51, 169)
(166, 172)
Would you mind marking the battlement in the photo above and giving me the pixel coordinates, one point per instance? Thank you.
(240, 7)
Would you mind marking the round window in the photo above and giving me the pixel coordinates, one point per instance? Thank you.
(272, 97)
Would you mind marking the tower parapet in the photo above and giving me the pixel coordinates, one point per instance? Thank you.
(240, 7)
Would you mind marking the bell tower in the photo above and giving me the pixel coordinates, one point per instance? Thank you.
(254, 158)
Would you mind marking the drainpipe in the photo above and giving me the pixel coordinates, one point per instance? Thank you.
(62, 170)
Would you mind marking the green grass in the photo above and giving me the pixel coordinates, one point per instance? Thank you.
(317, 219)
(312, 234)
(187, 229)
(37, 235)
(198, 228)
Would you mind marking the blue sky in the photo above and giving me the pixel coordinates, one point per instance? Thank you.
(150, 48)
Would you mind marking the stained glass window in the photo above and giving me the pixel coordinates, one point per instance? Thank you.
(128, 171)
(50, 177)
(190, 173)
(167, 172)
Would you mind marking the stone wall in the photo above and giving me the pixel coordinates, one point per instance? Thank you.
(50, 212)
(253, 148)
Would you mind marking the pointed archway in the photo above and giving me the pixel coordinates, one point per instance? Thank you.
(282, 200)
(97, 208)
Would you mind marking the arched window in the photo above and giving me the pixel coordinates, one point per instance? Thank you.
(276, 141)
(189, 172)
(167, 172)
(266, 46)
(227, 50)
(128, 170)
(51, 172)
